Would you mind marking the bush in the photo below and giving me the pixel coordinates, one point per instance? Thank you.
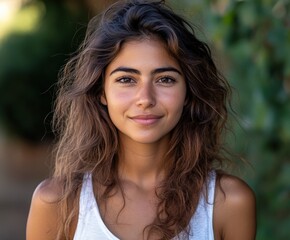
(30, 60)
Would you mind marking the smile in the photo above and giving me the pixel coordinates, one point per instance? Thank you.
(146, 119)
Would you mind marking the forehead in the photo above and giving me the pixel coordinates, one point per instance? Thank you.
(140, 53)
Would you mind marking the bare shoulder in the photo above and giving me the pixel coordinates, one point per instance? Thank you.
(234, 190)
(43, 214)
(48, 191)
(235, 209)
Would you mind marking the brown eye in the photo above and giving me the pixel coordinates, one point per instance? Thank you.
(125, 80)
(166, 80)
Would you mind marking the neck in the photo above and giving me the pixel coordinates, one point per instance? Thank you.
(142, 164)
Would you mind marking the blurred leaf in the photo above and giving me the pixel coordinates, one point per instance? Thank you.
(30, 59)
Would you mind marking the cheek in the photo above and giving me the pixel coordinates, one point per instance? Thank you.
(117, 98)
(174, 100)
(117, 103)
(176, 104)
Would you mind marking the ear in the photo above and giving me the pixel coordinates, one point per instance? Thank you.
(103, 99)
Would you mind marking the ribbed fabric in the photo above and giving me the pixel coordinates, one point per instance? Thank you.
(91, 226)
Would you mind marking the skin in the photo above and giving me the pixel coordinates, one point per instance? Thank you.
(145, 98)
(145, 92)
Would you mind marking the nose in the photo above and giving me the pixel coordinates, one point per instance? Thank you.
(146, 96)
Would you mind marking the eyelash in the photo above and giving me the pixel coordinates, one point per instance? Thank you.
(125, 80)
(129, 80)
(169, 80)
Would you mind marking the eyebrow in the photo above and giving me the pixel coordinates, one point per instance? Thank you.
(155, 71)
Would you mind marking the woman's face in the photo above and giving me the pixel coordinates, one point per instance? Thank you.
(144, 91)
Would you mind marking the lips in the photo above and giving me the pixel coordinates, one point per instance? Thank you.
(146, 119)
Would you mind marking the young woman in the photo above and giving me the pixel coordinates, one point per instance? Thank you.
(140, 113)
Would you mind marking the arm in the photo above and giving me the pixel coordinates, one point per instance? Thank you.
(43, 215)
(235, 210)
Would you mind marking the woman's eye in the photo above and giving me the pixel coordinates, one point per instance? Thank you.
(166, 80)
(125, 80)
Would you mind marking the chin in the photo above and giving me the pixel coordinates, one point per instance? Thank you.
(149, 139)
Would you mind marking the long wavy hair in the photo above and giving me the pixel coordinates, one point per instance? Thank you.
(88, 140)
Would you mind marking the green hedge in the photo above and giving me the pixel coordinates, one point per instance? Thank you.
(31, 54)
(252, 42)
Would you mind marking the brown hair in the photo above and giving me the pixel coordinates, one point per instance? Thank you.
(88, 141)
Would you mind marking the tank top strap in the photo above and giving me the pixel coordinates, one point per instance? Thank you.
(211, 187)
(201, 224)
(208, 199)
(86, 195)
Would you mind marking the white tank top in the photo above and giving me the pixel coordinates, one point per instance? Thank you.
(91, 226)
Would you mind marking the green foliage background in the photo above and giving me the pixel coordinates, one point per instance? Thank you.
(32, 52)
(251, 42)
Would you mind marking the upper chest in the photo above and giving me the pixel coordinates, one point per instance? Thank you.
(126, 216)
